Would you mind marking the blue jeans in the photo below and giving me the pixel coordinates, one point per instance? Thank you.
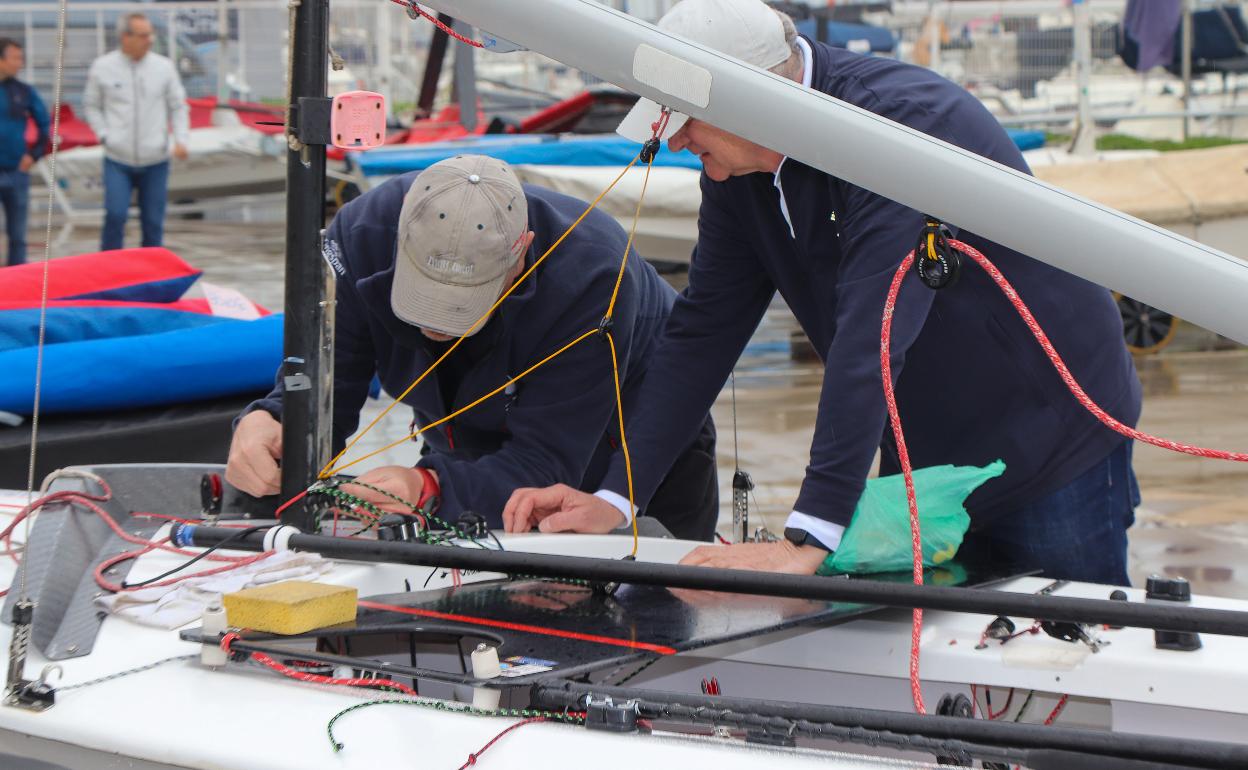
(1078, 532)
(15, 200)
(120, 180)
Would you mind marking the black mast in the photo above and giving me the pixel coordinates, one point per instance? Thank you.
(308, 341)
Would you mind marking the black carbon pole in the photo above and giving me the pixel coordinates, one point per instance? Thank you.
(1162, 615)
(308, 354)
(1044, 741)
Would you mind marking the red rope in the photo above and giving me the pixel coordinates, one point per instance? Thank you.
(894, 418)
(413, 7)
(472, 758)
(228, 640)
(1057, 710)
(88, 500)
(1069, 378)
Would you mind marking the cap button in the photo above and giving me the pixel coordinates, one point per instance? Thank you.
(474, 178)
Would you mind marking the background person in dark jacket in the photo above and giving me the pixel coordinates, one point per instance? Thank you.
(18, 102)
(419, 260)
(972, 384)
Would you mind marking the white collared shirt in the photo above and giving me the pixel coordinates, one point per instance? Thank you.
(808, 72)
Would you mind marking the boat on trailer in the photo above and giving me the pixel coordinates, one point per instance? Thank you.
(605, 659)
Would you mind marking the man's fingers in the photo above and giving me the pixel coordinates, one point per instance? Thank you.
(700, 556)
(516, 511)
(255, 473)
(563, 521)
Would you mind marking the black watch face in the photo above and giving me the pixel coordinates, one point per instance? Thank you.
(796, 536)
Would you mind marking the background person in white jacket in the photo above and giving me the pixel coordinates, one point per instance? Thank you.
(134, 99)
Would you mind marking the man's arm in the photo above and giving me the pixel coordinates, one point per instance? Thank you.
(93, 103)
(709, 326)
(852, 416)
(558, 418)
(255, 448)
(179, 111)
(38, 113)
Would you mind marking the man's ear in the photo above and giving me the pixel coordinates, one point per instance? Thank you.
(526, 241)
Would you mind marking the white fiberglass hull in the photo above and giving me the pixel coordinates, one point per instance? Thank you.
(184, 715)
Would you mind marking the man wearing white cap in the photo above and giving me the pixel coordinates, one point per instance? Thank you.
(420, 260)
(972, 385)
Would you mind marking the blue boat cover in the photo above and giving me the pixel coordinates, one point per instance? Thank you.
(1026, 140)
(79, 321)
(220, 359)
(609, 150)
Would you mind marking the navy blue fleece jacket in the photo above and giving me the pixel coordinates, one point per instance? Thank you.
(558, 424)
(972, 384)
(19, 101)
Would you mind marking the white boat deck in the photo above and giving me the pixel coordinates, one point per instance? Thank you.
(182, 714)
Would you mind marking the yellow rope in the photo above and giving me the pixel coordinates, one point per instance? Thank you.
(628, 464)
(486, 397)
(330, 467)
(619, 278)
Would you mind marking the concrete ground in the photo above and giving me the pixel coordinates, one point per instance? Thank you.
(1194, 518)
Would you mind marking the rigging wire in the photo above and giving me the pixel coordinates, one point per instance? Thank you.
(57, 95)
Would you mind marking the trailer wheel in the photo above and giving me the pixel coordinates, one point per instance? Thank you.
(1145, 328)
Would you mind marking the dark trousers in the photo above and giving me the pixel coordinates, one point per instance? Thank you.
(120, 180)
(687, 502)
(15, 201)
(1078, 532)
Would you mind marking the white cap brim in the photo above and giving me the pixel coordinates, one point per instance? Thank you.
(638, 124)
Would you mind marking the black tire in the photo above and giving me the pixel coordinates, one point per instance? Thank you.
(1145, 328)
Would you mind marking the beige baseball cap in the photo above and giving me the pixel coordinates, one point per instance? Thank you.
(747, 30)
(461, 230)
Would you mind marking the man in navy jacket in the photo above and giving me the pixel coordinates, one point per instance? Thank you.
(18, 103)
(972, 384)
(420, 260)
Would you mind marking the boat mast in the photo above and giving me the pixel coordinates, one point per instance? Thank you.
(308, 337)
(1092, 241)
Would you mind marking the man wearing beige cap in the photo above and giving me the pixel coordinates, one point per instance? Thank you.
(972, 385)
(420, 260)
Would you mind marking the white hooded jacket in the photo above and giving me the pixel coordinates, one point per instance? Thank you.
(132, 105)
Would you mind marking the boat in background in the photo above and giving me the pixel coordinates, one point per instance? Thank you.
(132, 367)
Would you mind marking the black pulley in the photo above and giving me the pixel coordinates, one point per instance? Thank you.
(937, 263)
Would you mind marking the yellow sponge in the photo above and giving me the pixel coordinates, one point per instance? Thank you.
(290, 607)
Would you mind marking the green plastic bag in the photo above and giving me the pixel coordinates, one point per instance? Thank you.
(878, 537)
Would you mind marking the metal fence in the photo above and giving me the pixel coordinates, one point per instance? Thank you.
(1021, 59)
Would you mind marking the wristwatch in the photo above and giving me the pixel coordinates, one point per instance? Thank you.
(800, 537)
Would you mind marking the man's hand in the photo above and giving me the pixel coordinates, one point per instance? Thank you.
(180, 151)
(782, 556)
(25, 163)
(399, 480)
(560, 508)
(254, 452)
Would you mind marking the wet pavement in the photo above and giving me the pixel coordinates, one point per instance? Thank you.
(1194, 517)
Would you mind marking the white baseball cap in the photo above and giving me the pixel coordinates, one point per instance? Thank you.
(460, 231)
(748, 30)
